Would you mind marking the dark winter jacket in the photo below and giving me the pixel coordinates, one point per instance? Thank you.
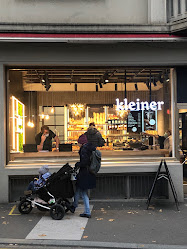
(85, 180)
(94, 137)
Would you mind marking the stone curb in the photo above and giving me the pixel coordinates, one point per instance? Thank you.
(86, 244)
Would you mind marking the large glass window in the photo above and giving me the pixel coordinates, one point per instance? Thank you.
(130, 107)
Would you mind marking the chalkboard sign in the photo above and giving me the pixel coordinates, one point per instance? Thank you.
(134, 122)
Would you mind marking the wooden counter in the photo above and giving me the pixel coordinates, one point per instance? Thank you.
(105, 153)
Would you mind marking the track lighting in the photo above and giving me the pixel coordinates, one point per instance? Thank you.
(154, 82)
(96, 87)
(75, 87)
(136, 86)
(166, 77)
(47, 87)
(105, 78)
(100, 85)
(46, 82)
(147, 84)
(161, 79)
(116, 87)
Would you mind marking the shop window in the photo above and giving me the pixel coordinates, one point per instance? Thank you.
(131, 108)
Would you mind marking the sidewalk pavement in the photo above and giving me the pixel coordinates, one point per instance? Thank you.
(114, 224)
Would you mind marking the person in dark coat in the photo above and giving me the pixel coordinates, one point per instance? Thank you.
(94, 136)
(85, 179)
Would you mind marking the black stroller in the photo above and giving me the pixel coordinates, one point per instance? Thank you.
(53, 196)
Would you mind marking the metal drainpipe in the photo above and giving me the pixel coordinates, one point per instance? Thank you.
(173, 109)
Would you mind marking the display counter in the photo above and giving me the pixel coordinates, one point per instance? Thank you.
(106, 154)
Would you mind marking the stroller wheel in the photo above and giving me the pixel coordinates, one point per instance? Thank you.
(57, 212)
(24, 206)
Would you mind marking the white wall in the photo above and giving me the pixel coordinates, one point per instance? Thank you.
(157, 12)
(75, 11)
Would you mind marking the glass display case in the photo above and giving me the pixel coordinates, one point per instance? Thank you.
(121, 131)
(76, 124)
(98, 116)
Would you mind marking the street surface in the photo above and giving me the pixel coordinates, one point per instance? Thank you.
(112, 221)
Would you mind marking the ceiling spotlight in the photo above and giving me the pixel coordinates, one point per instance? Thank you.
(116, 87)
(154, 82)
(75, 87)
(147, 84)
(136, 86)
(100, 84)
(105, 78)
(166, 76)
(47, 87)
(161, 79)
(46, 82)
(96, 88)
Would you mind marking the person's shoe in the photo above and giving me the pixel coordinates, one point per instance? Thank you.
(85, 215)
(72, 209)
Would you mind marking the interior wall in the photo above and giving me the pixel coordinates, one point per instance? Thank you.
(30, 102)
(64, 98)
(15, 85)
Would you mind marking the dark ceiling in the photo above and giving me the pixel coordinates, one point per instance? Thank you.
(92, 74)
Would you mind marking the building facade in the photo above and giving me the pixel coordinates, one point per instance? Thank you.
(74, 47)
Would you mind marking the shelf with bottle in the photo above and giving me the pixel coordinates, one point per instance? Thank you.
(124, 135)
(98, 118)
(76, 126)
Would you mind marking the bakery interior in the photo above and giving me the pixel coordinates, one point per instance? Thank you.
(67, 99)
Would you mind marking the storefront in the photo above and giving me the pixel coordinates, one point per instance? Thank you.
(128, 90)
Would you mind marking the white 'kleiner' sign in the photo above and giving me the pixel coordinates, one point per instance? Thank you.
(138, 106)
